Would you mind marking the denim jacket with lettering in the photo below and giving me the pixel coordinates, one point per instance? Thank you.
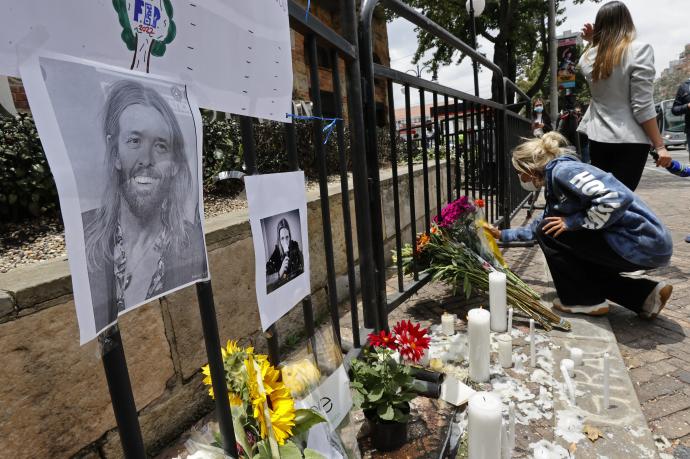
(591, 199)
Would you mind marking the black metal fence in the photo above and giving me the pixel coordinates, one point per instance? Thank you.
(469, 147)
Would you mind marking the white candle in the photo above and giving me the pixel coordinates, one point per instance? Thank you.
(497, 301)
(484, 426)
(606, 381)
(532, 347)
(569, 365)
(568, 384)
(510, 319)
(505, 350)
(505, 442)
(511, 426)
(480, 344)
(576, 356)
(448, 324)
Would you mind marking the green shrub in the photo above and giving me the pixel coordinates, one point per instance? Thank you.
(27, 188)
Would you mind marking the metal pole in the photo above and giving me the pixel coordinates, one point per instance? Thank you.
(122, 399)
(475, 68)
(209, 324)
(553, 60)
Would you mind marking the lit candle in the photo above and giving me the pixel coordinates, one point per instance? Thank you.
(497, 301)
(510, 319)
(448, 324)
(484, 426)
(532, 347)
(505, 350)
(569, 365)
(576, 356)
(606, 381)
(480, 344)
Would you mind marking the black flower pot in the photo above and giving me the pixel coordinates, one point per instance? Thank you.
(387, 435)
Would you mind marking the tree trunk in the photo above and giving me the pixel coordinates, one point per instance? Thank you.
(142, 53)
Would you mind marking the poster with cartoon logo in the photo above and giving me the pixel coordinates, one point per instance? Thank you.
(234, 55)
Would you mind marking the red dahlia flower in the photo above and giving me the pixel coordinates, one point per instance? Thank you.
(411, 341)
(382, 339)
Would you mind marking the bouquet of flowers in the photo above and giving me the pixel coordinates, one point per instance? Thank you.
(267, 425)
(460, 250)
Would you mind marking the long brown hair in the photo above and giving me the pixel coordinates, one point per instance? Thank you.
(100, 232)
(614, 31)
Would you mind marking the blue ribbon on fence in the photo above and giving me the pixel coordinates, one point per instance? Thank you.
(328, 129)
(306, 15)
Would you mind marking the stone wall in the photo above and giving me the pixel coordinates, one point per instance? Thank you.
(53, 392)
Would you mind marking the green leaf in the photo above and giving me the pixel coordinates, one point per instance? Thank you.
(311, 454)
(385, 412)
(263, 450)
(305, 419)
(289, 451)
(375, 394)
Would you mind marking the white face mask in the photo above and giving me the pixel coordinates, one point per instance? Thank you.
(528, 186)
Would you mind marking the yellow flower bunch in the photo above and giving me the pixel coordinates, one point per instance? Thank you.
(252, 381)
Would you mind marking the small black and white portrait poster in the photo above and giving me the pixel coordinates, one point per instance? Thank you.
(278, 217)
(125, 151)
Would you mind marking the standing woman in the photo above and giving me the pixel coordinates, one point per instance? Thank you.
(541, 123)
(621, 120)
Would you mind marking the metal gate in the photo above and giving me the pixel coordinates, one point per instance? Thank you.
(474, 136)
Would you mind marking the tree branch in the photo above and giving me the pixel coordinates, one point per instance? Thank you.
(545, 67)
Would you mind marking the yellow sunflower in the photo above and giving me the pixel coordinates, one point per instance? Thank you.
(231, 349)
(281, 407)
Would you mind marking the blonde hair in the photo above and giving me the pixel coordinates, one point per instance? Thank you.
(614, 31)
(532, 155)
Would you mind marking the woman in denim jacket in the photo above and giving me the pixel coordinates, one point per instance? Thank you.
(593, 230)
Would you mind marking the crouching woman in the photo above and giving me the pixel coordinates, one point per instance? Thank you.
(593, 230)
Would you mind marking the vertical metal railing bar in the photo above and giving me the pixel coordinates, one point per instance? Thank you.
(425, 161)
(494, 152)
(345, 201)
(396, 196)
(473, 151)
(209, 323)
(410, 179)
(437, 155)
(465, 147)
(320, 153)
(482, 152)
(456, 128)
(449, 185)
(249, 153)
(370, 291)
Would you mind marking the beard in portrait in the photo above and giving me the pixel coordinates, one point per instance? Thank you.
(286, 261)
(139, 243)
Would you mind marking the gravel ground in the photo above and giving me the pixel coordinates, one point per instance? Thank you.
(44, 238)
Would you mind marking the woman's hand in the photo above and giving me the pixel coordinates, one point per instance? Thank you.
(664, 159)
(555, 226)
(588, 32)
(495, 232)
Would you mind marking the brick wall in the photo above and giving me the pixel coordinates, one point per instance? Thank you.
(18, 94)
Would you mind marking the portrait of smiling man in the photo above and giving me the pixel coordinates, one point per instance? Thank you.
(139, 242)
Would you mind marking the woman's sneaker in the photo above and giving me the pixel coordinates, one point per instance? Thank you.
(594, 310)
(656, 301)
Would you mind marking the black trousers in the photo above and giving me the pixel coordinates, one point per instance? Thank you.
(586, 270)
(624, 160)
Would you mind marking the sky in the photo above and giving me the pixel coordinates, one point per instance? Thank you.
(662, 23)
